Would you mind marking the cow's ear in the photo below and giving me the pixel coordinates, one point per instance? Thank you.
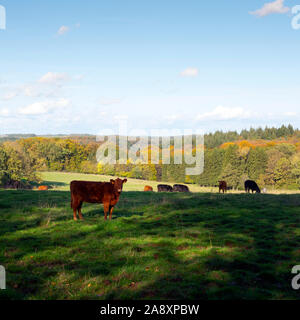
(125, 180)
(112, 181)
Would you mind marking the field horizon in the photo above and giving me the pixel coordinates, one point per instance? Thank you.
(61, 180)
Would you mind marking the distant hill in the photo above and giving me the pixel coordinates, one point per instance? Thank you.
(211, 140)
(15, 136)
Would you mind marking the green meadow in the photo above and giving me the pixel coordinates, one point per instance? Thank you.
(201, 245)
(61, 181)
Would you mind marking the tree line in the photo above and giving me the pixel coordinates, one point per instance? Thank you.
(271, 156)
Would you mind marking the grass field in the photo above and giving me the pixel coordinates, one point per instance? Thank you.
(61, 181)
(158, 245)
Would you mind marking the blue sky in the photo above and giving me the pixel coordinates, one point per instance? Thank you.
(78, 67)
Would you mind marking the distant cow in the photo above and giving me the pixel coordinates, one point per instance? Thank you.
(180, 188)
(223, 186)
(251, 185)
(107, 193)
(164, 188)
(43, 188)
(148, 188)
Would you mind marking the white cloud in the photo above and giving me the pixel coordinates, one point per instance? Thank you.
(32, 90)
(62, 30)
(109, 101)
(290, 114)
(29, 90)
(43, 107)
(4, 112)
(54, 78)
(35, 108)
(10, 95)
(271, 7)
(120, 117)
(40, 90)
(48, 86)
(223, 113)
(62, 102)
(189, 72)
(172, 118)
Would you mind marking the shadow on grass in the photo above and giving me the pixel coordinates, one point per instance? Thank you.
(53, 184)
(204, 246)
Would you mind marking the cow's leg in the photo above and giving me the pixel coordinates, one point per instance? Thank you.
(106, 210)
(74, 205)
(74, 214)
(111, 209)
(79, 211)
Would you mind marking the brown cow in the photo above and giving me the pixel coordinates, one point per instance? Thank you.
(107, 193)
(43, 188)
(223, 186)
(148, 188)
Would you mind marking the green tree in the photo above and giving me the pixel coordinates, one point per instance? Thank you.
(256, 163)
(295, 161)
(213, 162)
(233, 167)
(274, 155)
(283, 172)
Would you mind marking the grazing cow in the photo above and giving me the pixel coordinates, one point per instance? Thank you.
(148, 188)
(251, 185)
(107, 193)
(222, 186)
(180, 188)
(43, 188)
(164, 188)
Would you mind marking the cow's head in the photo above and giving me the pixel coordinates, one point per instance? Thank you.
(118, 184)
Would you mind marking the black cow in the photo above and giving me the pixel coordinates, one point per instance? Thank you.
(251, 185)
(180, 188)
(164, 188)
